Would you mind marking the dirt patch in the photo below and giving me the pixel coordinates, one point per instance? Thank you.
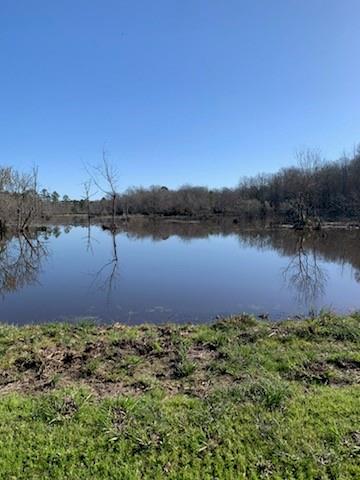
(201, 355)
(113, 360)
(328, 372)
(345, 364)
(111, 368)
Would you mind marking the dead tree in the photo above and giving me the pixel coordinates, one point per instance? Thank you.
(106, 178)
(5, 197)
(87, 185)
(19, 204)
(309, 162)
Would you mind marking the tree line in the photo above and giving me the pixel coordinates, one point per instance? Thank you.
(307, 193)
(311, 191)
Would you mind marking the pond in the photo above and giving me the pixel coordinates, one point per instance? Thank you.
(173, 272)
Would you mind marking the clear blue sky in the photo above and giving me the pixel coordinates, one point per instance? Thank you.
(179, 91)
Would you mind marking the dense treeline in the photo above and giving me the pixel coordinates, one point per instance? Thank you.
(305, 194)
(312, 190)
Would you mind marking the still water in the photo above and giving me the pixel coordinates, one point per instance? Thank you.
(178, 273)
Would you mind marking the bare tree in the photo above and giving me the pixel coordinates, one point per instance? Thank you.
(5, 199)
(19, 198)
(309, 162)
(106, 178)
(87, 185)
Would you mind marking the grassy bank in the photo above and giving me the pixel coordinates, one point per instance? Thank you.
(240, 399)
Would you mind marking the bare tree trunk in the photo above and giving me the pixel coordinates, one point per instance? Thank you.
(106, 179)
(87, 190)
(113, 207)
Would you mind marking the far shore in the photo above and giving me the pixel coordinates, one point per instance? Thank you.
(234, 221)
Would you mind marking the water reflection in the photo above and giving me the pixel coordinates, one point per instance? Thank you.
(170, 268)
(89, 239)
(305, 275)
(106, 278)
(21, 259)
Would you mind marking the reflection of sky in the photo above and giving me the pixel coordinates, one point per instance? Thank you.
(171, 279)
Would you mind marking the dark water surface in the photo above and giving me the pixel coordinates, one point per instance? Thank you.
(157, 273)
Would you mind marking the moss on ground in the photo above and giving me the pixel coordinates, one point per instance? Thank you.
(238, 399)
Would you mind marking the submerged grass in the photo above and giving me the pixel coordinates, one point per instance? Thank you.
(239, 399)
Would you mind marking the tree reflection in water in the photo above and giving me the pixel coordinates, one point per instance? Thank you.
(107, 277)
(21, 260)
(305, 275)
(22, 257)
(89, 239)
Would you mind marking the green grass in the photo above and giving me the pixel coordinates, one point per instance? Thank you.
(239, 399)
